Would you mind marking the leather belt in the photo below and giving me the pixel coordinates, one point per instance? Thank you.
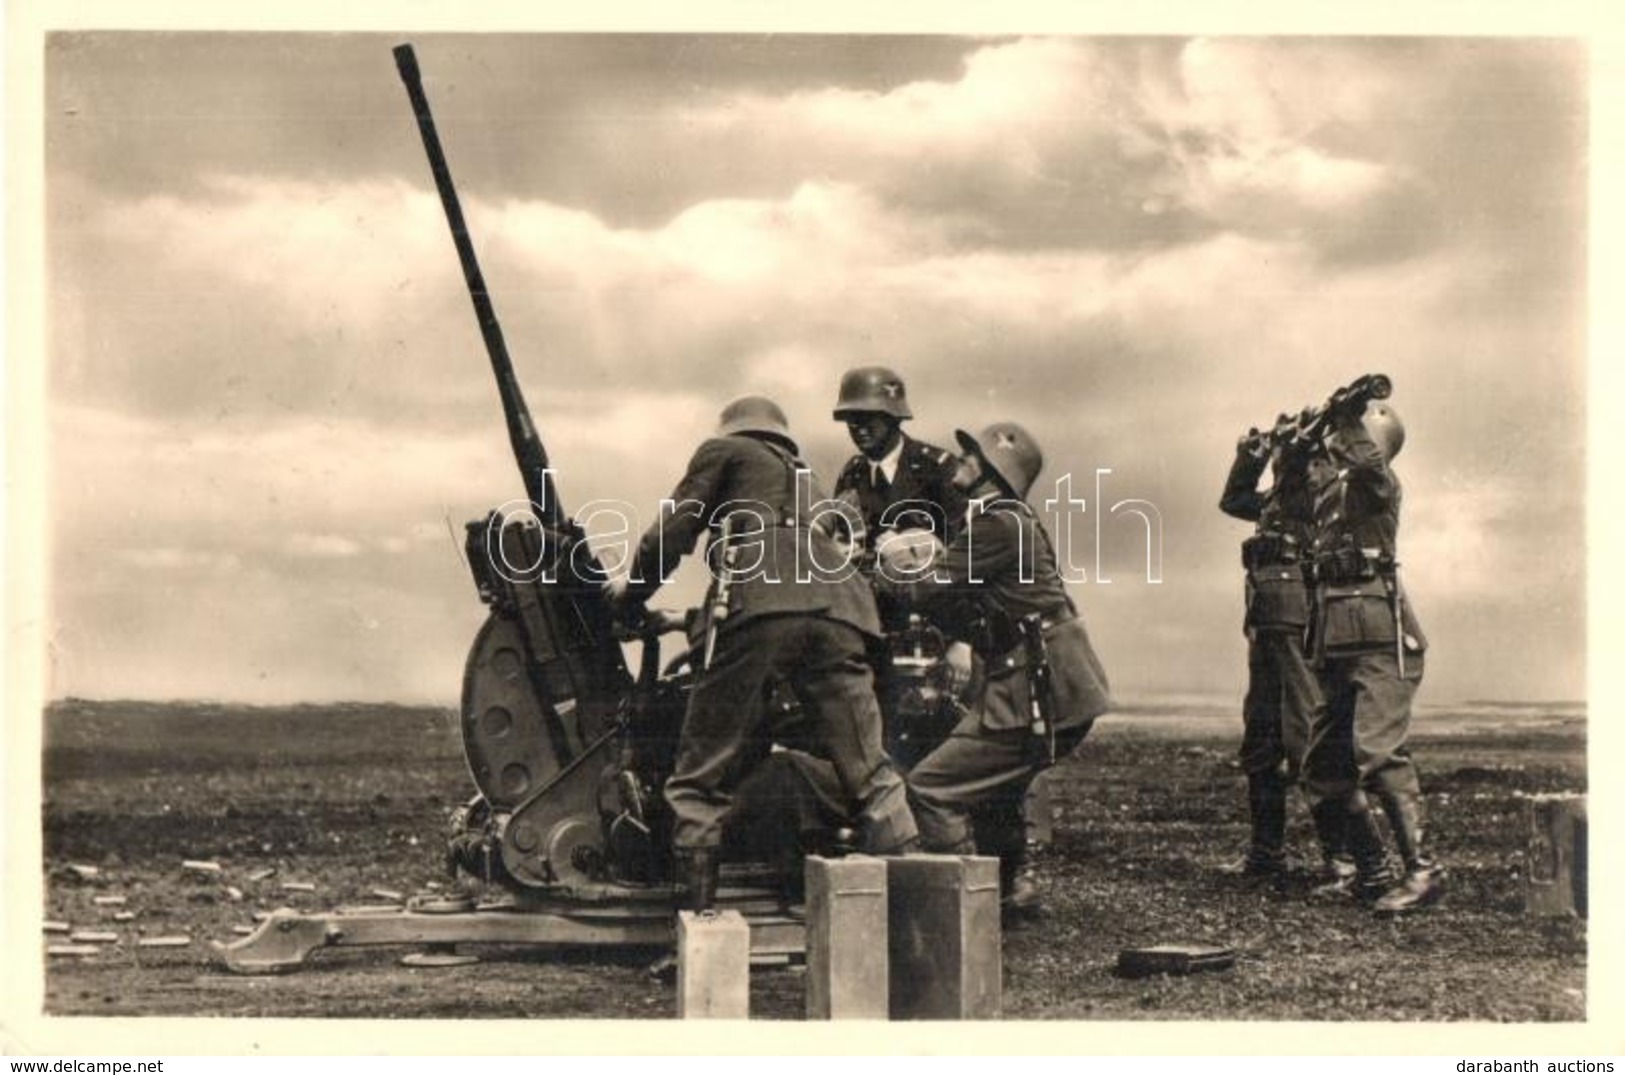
(1269, 549)
(1333, 574)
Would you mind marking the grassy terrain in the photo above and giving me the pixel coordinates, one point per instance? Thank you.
(354, 798)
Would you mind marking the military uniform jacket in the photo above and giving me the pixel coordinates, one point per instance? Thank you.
(756, 479)
(1285, 508)
(983, 591)
(1356, 518)
(924, 477)
(1358, 508)
(1277, 598)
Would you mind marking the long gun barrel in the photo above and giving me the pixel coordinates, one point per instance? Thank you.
(527, 446)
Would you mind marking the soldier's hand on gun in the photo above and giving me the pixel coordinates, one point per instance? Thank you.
(958, 663)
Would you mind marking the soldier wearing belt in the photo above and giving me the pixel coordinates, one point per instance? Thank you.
(902, 491)
(1368, 648)
(795, 613)
(1000, 590)
(1282, 692)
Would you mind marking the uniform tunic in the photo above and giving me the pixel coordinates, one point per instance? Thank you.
(919, 495)
(1282, 692)
(788, 621)
(1358, 740)
(1000, 568)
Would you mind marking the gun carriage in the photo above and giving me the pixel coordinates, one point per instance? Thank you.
(567, 837)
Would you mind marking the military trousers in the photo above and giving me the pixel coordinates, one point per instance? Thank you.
(729, 729)
(979, 772)
(1359, 738)
(1283, 696)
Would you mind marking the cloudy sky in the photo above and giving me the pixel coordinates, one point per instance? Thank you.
(269, 409)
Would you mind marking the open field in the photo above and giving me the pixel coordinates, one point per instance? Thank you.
(354, 798)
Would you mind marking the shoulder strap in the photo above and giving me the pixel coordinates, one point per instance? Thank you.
(792, 463)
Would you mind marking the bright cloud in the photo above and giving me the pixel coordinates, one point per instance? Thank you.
(1140, 247)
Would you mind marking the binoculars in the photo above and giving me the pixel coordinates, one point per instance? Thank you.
(1299, 431)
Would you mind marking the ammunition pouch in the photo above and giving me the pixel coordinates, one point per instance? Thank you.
(1349, 566)
(1354, 617)
(1277, 598)
(1268, 549)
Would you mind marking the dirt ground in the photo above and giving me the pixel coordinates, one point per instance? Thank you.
(352, 799)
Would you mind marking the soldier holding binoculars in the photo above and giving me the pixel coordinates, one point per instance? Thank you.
(1335, 652)
(1367, 647)
(1283, 695)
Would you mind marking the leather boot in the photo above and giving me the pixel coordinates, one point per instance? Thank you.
(1423, 881)
(696, 877)
(695, 872)
(1266, 853)
(1002, 834)
(1336, 873)
(1374, 873)
(1018, 888)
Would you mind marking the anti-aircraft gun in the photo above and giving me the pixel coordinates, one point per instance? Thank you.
(546, 693)
(567, 836)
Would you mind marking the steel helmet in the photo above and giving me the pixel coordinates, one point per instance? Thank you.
(755, 414)
(1385, 428)
(1380, 423)
(1009, 453)
(872, 390)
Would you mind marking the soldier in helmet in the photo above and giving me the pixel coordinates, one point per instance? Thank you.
(1002, 594)
(896, 482)
(1282, 692)
(806, 628)
(903, 491)
(1368, 649)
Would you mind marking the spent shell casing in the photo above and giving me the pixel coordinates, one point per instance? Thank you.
(164, 942)
(71, 949)
(108, 901)
(57, 927)
(298, 886)
(94, 936)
